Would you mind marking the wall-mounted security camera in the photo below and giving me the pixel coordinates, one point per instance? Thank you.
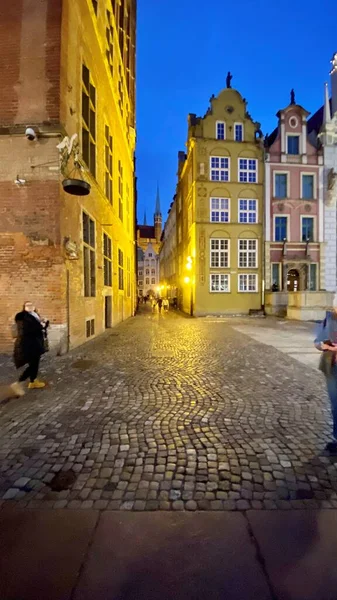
(31, 134)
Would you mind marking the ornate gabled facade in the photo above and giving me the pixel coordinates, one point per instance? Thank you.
(219, 210)
(148, 246)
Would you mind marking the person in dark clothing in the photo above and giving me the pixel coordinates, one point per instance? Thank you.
(29, 344)
(160, 304)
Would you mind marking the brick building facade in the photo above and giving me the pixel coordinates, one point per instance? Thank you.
(67, 67)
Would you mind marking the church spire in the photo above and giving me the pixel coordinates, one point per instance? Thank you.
(158, 211)
(327, 112)
(145, 217)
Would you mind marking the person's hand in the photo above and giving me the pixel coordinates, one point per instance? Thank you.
(328, 347)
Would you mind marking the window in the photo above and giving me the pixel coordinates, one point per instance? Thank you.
(312, 279)
(147, 271)
(248, 170)
(281, 229)
(128, 277)
(219, 253)
(248, 282)
(307, 229)
(90, 327)
(108, 164)
(147, 281)
(95, 5)
(219, 282)
(150, 254)
(153, 280)
(89, 256)
(120, 270)
(109, 42)
(219, 168)
(88, 121)
(247, 211)
(275, 275)
(120, 190)
(238, 132)
(140, 273)
(220, 130)
(281, 185)
(107, 255)
(153, 271)
(247, 254)
(219, 210)
(293, 144)
(121, 89)
(307, 187)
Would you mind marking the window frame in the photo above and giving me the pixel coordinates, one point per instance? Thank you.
(293, 135)
(248, 252)
(287, 173)
(247, 275)
(220, 170)
(120, 191)
(220, 253)
(314, 185)
(242, 132)
(89, 154)
(89, 258)
(219, 210)
(120, 259)
(247, 170)
(313, 219)
(107, 260)
(279, 274)
(218, 277)
(248, 211)
(287, 216)
(216, 130)
(108, 164)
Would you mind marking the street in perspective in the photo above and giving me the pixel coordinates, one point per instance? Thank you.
(168, 314)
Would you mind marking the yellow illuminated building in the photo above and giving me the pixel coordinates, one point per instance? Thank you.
(218, 211)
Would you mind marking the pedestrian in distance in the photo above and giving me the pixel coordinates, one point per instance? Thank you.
(31, 342)
(160, 304)
(326, 342)
(166, 304)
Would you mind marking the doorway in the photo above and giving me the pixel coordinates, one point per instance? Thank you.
(108, 311)
(293, 280)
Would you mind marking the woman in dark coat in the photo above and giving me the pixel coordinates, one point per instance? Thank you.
(29, 344)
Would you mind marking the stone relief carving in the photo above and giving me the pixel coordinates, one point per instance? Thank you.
(331, 188)
(307, 207)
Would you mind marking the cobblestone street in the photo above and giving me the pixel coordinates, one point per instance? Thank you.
(170, 413)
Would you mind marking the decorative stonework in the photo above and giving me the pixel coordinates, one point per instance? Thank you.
(307, 207)
(331, 188)
(202, 257)
(280, 207)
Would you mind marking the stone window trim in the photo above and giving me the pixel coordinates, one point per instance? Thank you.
(248, 210)
(220, 130)
(89, 327)
(219, 253)
(247, 170)
(247, 253)
(219, 283)
(248, 283)
(314, 185)
(219, 168)
(219, 210)
(238, 132)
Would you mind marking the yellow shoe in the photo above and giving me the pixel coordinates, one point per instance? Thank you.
(36, 385)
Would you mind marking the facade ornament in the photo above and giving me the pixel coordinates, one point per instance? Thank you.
(292, 97)
(229, 79)
(334, 64)
(68, 148)
(331, 187)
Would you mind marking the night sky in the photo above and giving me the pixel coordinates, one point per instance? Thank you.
(186, 47)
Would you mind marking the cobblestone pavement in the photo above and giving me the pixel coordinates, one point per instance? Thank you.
(170, 413)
